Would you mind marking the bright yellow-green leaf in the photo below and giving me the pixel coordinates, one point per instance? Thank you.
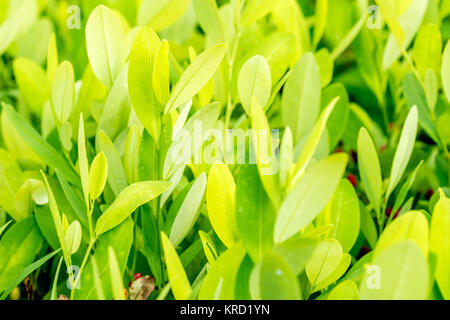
(409, 226)
(369, 168)
(440, 244)
(400, 272)
(177, 276)
(255, 81)
(161, 73)
(127, 201)
(346, 290)
(196, 76)
(220, 201)
(98, 174)
(160, 14)
(106, 44)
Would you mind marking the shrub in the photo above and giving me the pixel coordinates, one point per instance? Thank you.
(224, 149)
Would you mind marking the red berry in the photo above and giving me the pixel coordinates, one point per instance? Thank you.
(429, 194)
(351, 177)
(388, 212)
(137, 276)
(364, 250)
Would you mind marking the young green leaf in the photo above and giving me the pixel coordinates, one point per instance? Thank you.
(301, 97)
(196, 76)
(140, 80)
(343, 213)
(106, 44)
(220, 281)
(127, 202)
(273, 279)
(369, 169)
(404, 150)
(116, 276)
(160, 77)
(309, 196)
(409, 226)
(97, 176)
(440, 243)
(18, 247)
(400, 272)
(220, 202)
(346, 290)
(161, 14)
(255, 214)
(179, 282)
(189, 211)
(63, 92)
(255, 81)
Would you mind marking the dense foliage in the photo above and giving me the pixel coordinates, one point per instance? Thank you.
(320, 171)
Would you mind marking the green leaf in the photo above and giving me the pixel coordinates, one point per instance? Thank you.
(255, 82)
(32, 82)
(10, 181)
(2, 228)
(296, 251)
(301, 97)
(343, 213)
(179, 282)
(409, 226)
(445, 71)
(286, 155)
(97, 176)
(326, 265)
(346, 290)
(140, 80)
(273, 279)
(368, 227)
(428, 48)
(369, 169)
(404, 150)
(255, 10)
(220, 281)
(116, 276)
(120, 238)
(161, 73)
(106, 44)
(188, 212)
(320, 20)
(415, 96)
(311, 145)
(409, 22)
(116, 112)
(220, 202)
(337, 121)
(208, 16)
(73, 237)
(116, 173)
(402, 272)
(196, 76)
(161, 14)
(264, 152)
(309, 196)
(440, 244)
(27, 271)
(183, 147)
(18, 248)
(83, 161)
(127, 202)
(255, 214)
(46, 152)
(63, 92)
